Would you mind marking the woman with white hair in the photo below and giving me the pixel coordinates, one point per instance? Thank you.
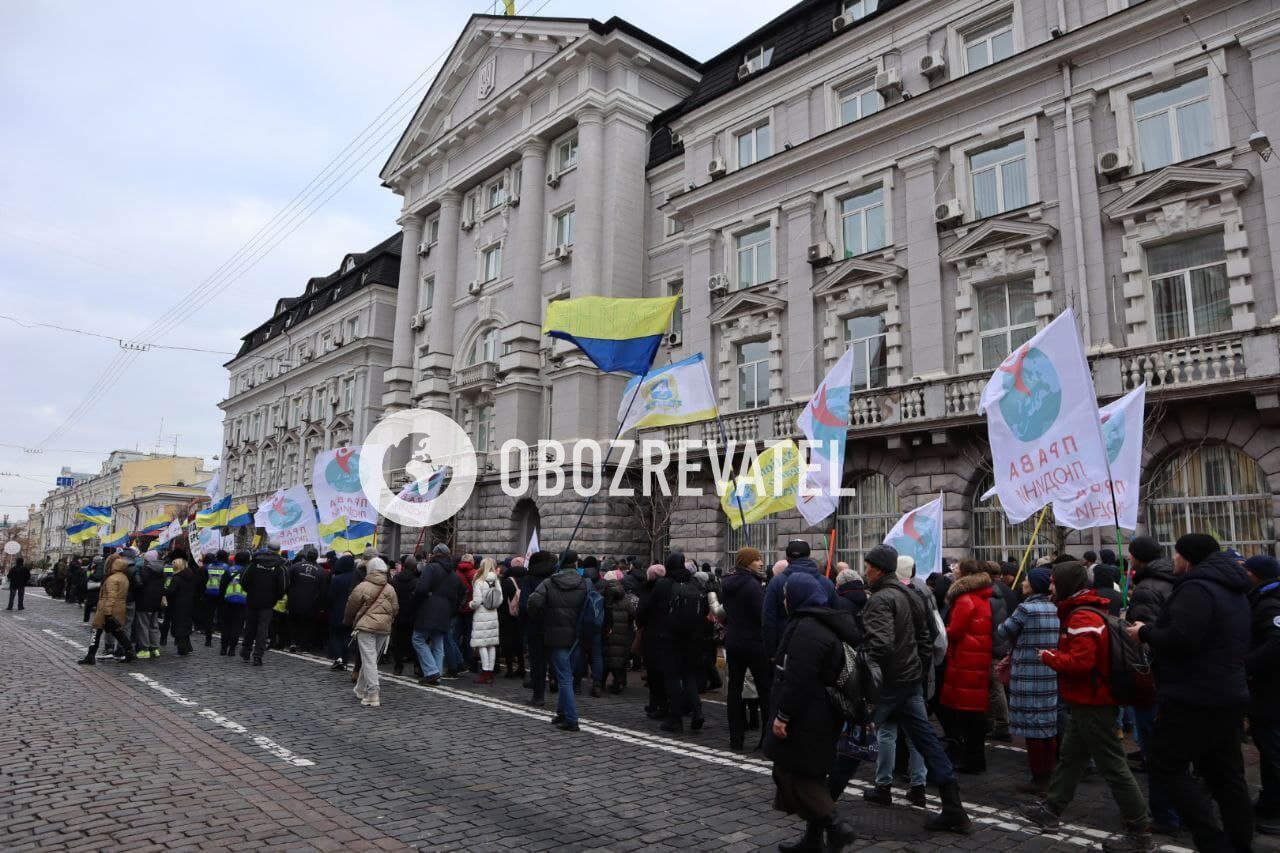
(370, 612)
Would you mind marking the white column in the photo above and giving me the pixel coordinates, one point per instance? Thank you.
(1263, 44)
(399, 377)
(589, 210)
(924, 277)
(433, 384)
(801, 350)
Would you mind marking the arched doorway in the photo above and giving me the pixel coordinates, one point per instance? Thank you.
(1215, 489)
(526, 521)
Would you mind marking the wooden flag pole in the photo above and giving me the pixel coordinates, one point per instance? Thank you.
(1027, 554)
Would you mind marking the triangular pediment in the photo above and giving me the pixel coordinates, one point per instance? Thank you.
(487, 69)
(1177, 183)
(998, 233)
(742, 304)
(854, 271)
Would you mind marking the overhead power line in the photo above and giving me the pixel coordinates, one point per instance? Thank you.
(123, 343)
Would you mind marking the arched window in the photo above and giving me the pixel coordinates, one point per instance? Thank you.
(995, 538)
(1214, 489)
(863, 520)
(485, 347)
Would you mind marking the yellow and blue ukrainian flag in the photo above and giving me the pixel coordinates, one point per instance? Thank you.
(97, 514)
(616, 334)
(156, 524)
(82, 531)
(116, 540)
(215, 515)
(239, 516)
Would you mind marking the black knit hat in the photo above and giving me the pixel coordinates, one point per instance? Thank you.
(1194, 547)
(883, 557)
(1146, 549)
(1069, 578)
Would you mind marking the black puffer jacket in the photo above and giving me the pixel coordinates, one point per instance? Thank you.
(1151, 587)
(808, 660)
(436, 597)
(557, 602)
(181, 594)
(896, 626)
(620, 620)
(263, 580)
(306, 589)
(852, 596)
(1201, 637)
(1263, 663)
(151, 578)
(404, 584)
(742, 595)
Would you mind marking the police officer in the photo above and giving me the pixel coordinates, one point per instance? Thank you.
(231, 603)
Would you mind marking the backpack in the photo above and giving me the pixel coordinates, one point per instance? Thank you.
(857, 686)
(686, 609)
(591, 617)
(1131, 681)
(491, 598)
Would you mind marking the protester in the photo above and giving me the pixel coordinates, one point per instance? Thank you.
(966, 687)
(181, 594)
(486, 599)
(1105, 578)
(620, 629)
(674, 613)
(264, 585)
(371, 609)
(541, 566)
(109, 611)
(801, 737)
(341, 582)
(1199, 644)
(658, 706)
(743, 593)
(19, 576)
(1033, 686)
(774, 617)
(94, 576)
(557, 603)
(457, 643)
(851, 591)
(1083, 664)
(510, 629)
(149, 601)
(404, 583)
(306, 582)
(435, 603)
(1263, 669)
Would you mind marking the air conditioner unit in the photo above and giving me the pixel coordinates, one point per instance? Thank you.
(307, 355)
(889, 83)
(673, 339)
(675, 138)
(513, 200)
(718, 284)
(418, 321)
(948, 212)
(821, 253)
(1115, 162)
(424, 248)
(337, 340)
(839, 22)
(743, 70)
(553, 180)
(563, 252)
(475, 287)
(933, 65)
(467, 224)
(716, 168)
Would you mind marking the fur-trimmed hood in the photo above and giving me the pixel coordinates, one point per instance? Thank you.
(967, 584)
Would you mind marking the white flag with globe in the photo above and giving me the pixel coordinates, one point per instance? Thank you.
(1122, 435)
(918, 535)
(1042, 422)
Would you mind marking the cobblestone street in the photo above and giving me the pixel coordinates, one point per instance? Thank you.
(209, 753)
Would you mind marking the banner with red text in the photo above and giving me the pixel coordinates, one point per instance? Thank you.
(1122, 435)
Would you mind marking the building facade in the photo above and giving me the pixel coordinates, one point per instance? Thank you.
(926, 183)
(311, 377)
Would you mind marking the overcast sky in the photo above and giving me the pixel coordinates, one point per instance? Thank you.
(144, 142)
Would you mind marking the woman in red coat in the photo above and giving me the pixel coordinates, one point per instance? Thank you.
(963, 701)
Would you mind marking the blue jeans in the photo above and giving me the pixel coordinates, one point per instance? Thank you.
(597, 660)
(452, 653)
(887, 738)
(905, 703)
(1158, 799)
(430, 650)
(562, 666)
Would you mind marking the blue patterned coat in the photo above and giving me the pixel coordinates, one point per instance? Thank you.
(1033, 687)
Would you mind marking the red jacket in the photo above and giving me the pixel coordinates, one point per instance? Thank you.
(467, 574)
(969, 630)
(1083, 657)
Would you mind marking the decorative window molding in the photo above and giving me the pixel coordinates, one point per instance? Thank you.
(861, 286)
(997, 251)
(862, 74)
(752, 141)
(729, 246)
(1207, 65)
(833, 207)
(1182, 201)
(565, 153)
(747, 317)
(1027, 130)
(561, 228)
(959, 31)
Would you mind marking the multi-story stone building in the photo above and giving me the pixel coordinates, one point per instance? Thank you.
(928, 183)
(311, 377)
(124, 477)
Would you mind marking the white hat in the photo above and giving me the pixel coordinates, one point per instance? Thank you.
(377, 564)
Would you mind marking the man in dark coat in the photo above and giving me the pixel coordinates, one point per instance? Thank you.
(264, 584)
(181, 593)
(541, 566)
(435, 604)
(558, 603)
(774, 617)
(149, 601)
(1263, 669)
(1199, 644)
(804, 723)
(510, 630)
(19, 577)
(1105, 578)
(306, 583)
(742, 595)
(404, 583)
(671, 612)
(341, 582)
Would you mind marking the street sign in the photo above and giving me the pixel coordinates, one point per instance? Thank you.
(66, 481)
(12, 548)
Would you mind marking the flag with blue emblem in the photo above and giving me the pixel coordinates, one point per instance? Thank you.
(678, 393)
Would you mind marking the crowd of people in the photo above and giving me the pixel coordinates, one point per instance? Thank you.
(1044, 655)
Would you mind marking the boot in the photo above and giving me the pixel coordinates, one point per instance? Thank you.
(208, 641)
(916, 796)
(811, 840)
(1037, 787)
(880, 795)
(952, 818)
(129, 656)
(1135, 839)
(89, 659)
(839, 834)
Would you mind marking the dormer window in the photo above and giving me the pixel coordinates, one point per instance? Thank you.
(855, 9)
(757, 59)
(348, 264)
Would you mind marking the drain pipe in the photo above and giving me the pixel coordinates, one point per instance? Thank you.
(1077, 225)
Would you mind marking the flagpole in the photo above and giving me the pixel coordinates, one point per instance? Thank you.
(1027, 554)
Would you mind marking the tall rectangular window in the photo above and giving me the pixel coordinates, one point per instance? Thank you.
(676, 288)
(428, 294)
(562, 227)
(1174, 124)
(858, 100)
(988, 43)
(433, 230)
(755, 256)
(492, 262)
(1006, 320)
(865, 335)
(673, 226)
(753, 375)
(348, 395)
(353, 328)
(495, 193)
(999, 178)
(862, 222)
(1189, 287)
(483, 428)
(753, 145)
(567, 155)
(320, 401)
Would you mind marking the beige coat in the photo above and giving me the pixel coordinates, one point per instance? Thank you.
(377, 601)
(113, 598)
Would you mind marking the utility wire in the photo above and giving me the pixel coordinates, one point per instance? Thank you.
(34, 324)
